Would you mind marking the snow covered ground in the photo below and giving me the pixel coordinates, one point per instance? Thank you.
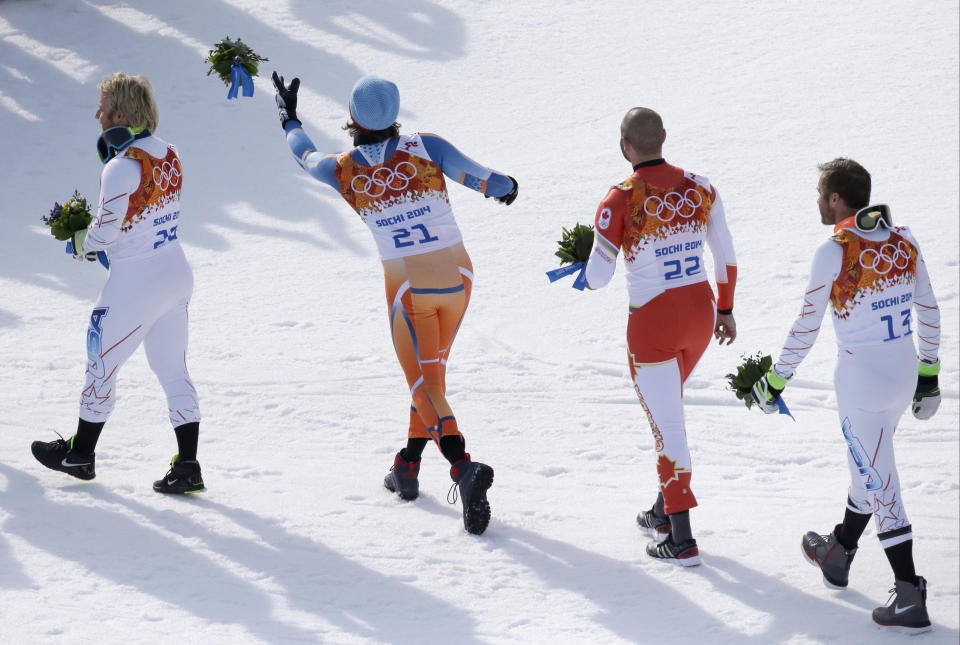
(296, 541)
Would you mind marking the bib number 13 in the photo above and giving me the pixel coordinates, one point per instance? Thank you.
(905, 323)
(423, 236)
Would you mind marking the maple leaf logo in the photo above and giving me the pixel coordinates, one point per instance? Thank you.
(667, 469)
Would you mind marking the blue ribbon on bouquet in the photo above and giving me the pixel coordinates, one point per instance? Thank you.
(782, 406)
(100, 255)
(581, 281)
(239, 76)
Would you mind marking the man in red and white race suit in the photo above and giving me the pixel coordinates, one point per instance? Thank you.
(661, 217)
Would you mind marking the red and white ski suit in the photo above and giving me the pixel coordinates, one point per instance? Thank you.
(661, 216)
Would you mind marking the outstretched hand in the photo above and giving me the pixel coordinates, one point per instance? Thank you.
(512, 195)
(725, 329)
(286, 98)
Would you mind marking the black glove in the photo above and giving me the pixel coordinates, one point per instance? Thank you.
(926, 399)
(286, 99)
(509, 197)
(77, 240)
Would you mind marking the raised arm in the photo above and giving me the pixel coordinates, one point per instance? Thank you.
(460, 168)
(321, 166)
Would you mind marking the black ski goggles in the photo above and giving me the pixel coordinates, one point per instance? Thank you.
(113, 141)
(869, 218)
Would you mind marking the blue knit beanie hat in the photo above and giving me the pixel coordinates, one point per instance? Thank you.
(374, 103)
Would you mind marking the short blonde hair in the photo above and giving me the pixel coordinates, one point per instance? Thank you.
(132, 95)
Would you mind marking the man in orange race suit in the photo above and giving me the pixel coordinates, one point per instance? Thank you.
(395, 183)
(661, 216)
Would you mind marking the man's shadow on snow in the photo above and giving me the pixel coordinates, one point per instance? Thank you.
(795, 612)
(331, 586)
(122, 546)
(629, 595)
(11, 573)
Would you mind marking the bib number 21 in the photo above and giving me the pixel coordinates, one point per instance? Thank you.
(422, 236)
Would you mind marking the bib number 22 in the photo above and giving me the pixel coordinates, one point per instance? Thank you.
(676, 270)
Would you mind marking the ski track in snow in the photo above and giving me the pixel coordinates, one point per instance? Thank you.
(304, 404)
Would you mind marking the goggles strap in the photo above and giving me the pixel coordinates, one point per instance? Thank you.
(115, 140)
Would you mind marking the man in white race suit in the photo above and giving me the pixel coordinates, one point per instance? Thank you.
(872, 276)
(136, 228)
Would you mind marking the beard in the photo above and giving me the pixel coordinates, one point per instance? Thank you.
(826, 216)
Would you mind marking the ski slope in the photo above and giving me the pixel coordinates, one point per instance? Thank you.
(304, 404)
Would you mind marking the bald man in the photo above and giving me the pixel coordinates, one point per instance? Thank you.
(660, 216)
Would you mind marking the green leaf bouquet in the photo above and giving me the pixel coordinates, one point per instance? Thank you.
(748, 373)
(575, 245)
(224, 52)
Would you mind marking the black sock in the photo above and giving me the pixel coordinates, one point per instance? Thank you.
(187, 436)
(680, 527)
(658, 505)
(852, 528)
(901, 561)
(85, 441)
(452, 447)
(414, 449)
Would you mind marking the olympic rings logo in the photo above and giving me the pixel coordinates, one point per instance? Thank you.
(382, 179)
(673, 203)
(888, 257)
(167, 175)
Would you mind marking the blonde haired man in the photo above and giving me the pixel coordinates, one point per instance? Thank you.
(135, 95)
(148, 289)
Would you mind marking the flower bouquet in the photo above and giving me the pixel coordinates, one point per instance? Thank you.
(67, 218)
(574, 249)
(235, 64)
(748, 373)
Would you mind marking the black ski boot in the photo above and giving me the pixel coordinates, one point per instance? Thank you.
(472, 479)
(402, 477)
